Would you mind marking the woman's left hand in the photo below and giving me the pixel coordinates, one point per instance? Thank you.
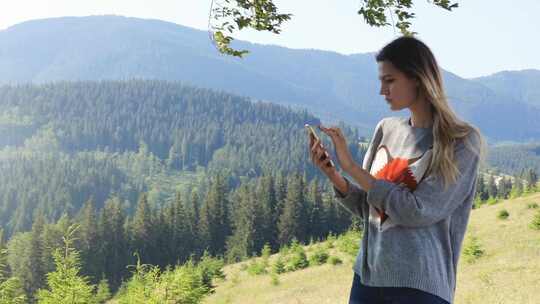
(340, 145)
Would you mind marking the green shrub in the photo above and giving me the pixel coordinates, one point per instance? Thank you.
(279, 266)
(334, 260)
(532, 206)
(349, 242)
(492, 201)
(284, 250)
(183, 284)
(211, 268)
(535, 224)
(265, 254)
(319, 257)
(256, 268)
(298, 259)
(103, 292)
(275, 279)
(477, 203)
(472, 250)
(330, 240)
(503, 214)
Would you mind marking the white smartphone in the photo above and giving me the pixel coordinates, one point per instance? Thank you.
(315, 137)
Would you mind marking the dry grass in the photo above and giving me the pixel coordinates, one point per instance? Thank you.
(509, 271)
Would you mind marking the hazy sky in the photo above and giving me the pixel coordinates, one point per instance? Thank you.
(478, 38)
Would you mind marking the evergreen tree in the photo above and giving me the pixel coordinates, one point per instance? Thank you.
(88, 240)
(114, 253)
(3, 257)
(180, 241)
(330, 206)
(266, 199)
(517, 188)
(12, 291)
(65, 284)
(502, 190)
(481, 189)
(315, 211)
(531, 179)
(142, 228)
(214, 224)
(36, 272)
(491, 187)
(280, 187)
(292, 222)
(103, 292)
(192, 211)
(241, 244)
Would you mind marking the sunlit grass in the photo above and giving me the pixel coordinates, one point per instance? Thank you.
(507, 272)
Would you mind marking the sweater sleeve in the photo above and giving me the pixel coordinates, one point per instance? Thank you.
(429, 202)
(355, 198)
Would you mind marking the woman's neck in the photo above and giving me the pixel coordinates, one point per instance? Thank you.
(421, 115)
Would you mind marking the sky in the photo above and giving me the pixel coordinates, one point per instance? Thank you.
(479, 38)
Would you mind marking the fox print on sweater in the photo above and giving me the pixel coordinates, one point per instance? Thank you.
(397, 170)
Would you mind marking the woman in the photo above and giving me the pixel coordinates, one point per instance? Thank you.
(416, 184)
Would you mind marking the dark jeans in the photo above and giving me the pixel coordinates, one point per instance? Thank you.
(362, 294)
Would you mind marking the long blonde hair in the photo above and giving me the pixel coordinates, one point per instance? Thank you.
(415, 59)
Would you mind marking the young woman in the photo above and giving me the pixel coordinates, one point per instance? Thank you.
(415, 187)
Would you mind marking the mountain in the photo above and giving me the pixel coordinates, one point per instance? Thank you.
(521, 86)
(332, 86)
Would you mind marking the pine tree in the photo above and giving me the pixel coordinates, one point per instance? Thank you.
(65, 284)
(492, 187)
(113, 249)
(142, 228)
(330, 212)
(292, 222)
(12, 291)
(192, 210)
(88, 239)
(266, 199)
(481, 188)
(180, 241)
(3, 257)
(36, 271)
(531, 179)
(315, 211)
(241, 244)
(281, 192)
(502, 192)
(517, 188)
(214, 224)
(52, 239)
(103, 292)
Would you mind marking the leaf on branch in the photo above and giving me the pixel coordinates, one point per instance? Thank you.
(262, 15)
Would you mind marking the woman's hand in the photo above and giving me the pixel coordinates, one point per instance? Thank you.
(340, 145)
(317, 151)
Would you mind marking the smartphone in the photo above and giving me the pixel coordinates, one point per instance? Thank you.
(315, 137)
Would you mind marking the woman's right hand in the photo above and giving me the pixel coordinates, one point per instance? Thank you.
(317, 151)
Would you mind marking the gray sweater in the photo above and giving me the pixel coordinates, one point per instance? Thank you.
(413, 228)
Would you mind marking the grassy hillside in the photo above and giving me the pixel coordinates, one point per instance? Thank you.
(507, 272)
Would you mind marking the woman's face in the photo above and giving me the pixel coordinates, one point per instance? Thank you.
(399, 90)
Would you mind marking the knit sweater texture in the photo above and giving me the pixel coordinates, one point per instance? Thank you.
(413, 228)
